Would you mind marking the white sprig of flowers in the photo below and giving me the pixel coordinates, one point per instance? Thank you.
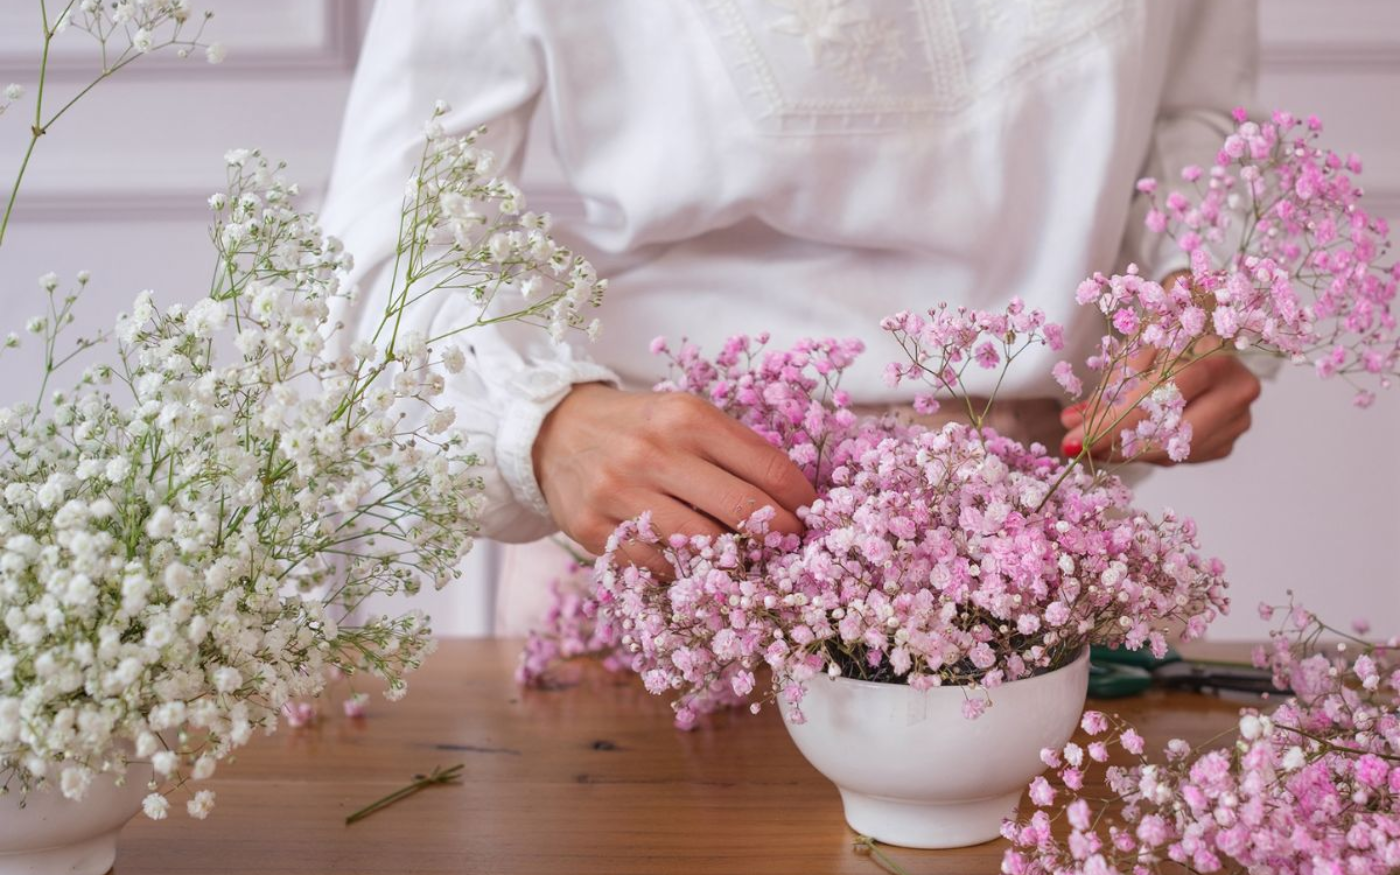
(186, 533)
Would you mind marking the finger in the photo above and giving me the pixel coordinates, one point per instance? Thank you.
(739, 450)
(1194, 381)
(671, 517)
(1219, 434)
(645, 556)
(668, 517)
(1072, 416)
(726, 498)
(1109, 429)
(1218, 419)
(1216, 445)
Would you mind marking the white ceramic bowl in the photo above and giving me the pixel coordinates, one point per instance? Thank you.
(52, 834)
(913, 771)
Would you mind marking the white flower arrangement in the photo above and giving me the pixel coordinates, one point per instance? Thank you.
(185, 533)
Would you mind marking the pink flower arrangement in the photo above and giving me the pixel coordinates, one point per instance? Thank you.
(1310, 788)
(930, 557)
(955, 555)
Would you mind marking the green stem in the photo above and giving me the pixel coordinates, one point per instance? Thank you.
(439, 775)
(37, 130)
(865, 844)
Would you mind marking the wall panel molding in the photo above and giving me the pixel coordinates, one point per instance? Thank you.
(187, 205)
(311, 37)
(1335, 57)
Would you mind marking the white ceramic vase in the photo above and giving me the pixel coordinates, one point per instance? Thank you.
(913, 771)
(53, 835)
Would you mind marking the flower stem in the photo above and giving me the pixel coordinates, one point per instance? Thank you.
(867, 845)
(36, 130)
(439, 775)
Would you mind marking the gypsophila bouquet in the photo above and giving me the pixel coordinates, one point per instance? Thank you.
(1312, 788)
(954, 555)
(185, 531)
(1285, 262)
(930, 557)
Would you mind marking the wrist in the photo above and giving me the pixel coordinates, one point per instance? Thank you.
(546, 439)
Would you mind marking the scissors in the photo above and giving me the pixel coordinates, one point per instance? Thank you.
(1118, 673)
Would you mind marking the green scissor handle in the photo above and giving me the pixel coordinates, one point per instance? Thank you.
(1115, 673)
(1142, 657)
(1113, 681)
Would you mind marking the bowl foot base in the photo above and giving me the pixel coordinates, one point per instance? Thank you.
(912, 824)
(91, 856)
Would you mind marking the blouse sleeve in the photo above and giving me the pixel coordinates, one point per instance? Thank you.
(1211, 68)
(472, 54)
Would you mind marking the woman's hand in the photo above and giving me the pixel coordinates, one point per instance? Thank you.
(1218, 390)
(604, 456)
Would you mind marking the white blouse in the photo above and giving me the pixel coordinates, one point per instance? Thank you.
(798, 166)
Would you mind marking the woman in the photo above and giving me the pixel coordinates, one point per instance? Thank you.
(797, 166)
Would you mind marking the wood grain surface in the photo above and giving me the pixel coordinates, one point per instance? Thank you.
(586, 778)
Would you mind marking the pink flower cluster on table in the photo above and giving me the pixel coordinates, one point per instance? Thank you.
(1310, 789)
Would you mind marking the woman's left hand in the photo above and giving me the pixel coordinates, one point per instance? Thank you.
(1218, 390)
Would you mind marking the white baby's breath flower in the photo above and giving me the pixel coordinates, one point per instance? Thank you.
(454, 359)
(227, 679)
(202, 803)
(203, 768)
(156, 806)
(161, 523)
(1294, 759)
(215, 53)
(206, 317)
(75, 782)
(142, 41)
(442, 420)
(14, 91)
(165, 763)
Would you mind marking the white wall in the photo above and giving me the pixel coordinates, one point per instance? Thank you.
(1308, 502)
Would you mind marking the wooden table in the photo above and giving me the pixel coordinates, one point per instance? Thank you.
(586, 778)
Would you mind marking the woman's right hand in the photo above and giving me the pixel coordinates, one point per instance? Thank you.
(604, 456)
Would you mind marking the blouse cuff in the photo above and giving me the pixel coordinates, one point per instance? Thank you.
(533, 395)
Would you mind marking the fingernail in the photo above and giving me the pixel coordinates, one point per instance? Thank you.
(1071, 449)
(1077, 408)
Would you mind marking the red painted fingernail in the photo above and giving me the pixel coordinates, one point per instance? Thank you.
(1078, 408)
(1071, 449)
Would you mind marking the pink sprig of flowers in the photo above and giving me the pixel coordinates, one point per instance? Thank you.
(1309, 789)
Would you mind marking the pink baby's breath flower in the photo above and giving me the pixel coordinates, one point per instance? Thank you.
(1041, 792)
(1063, 372)
(1094, 722)
(1131, 741)
(356, 706)
(299, 714)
